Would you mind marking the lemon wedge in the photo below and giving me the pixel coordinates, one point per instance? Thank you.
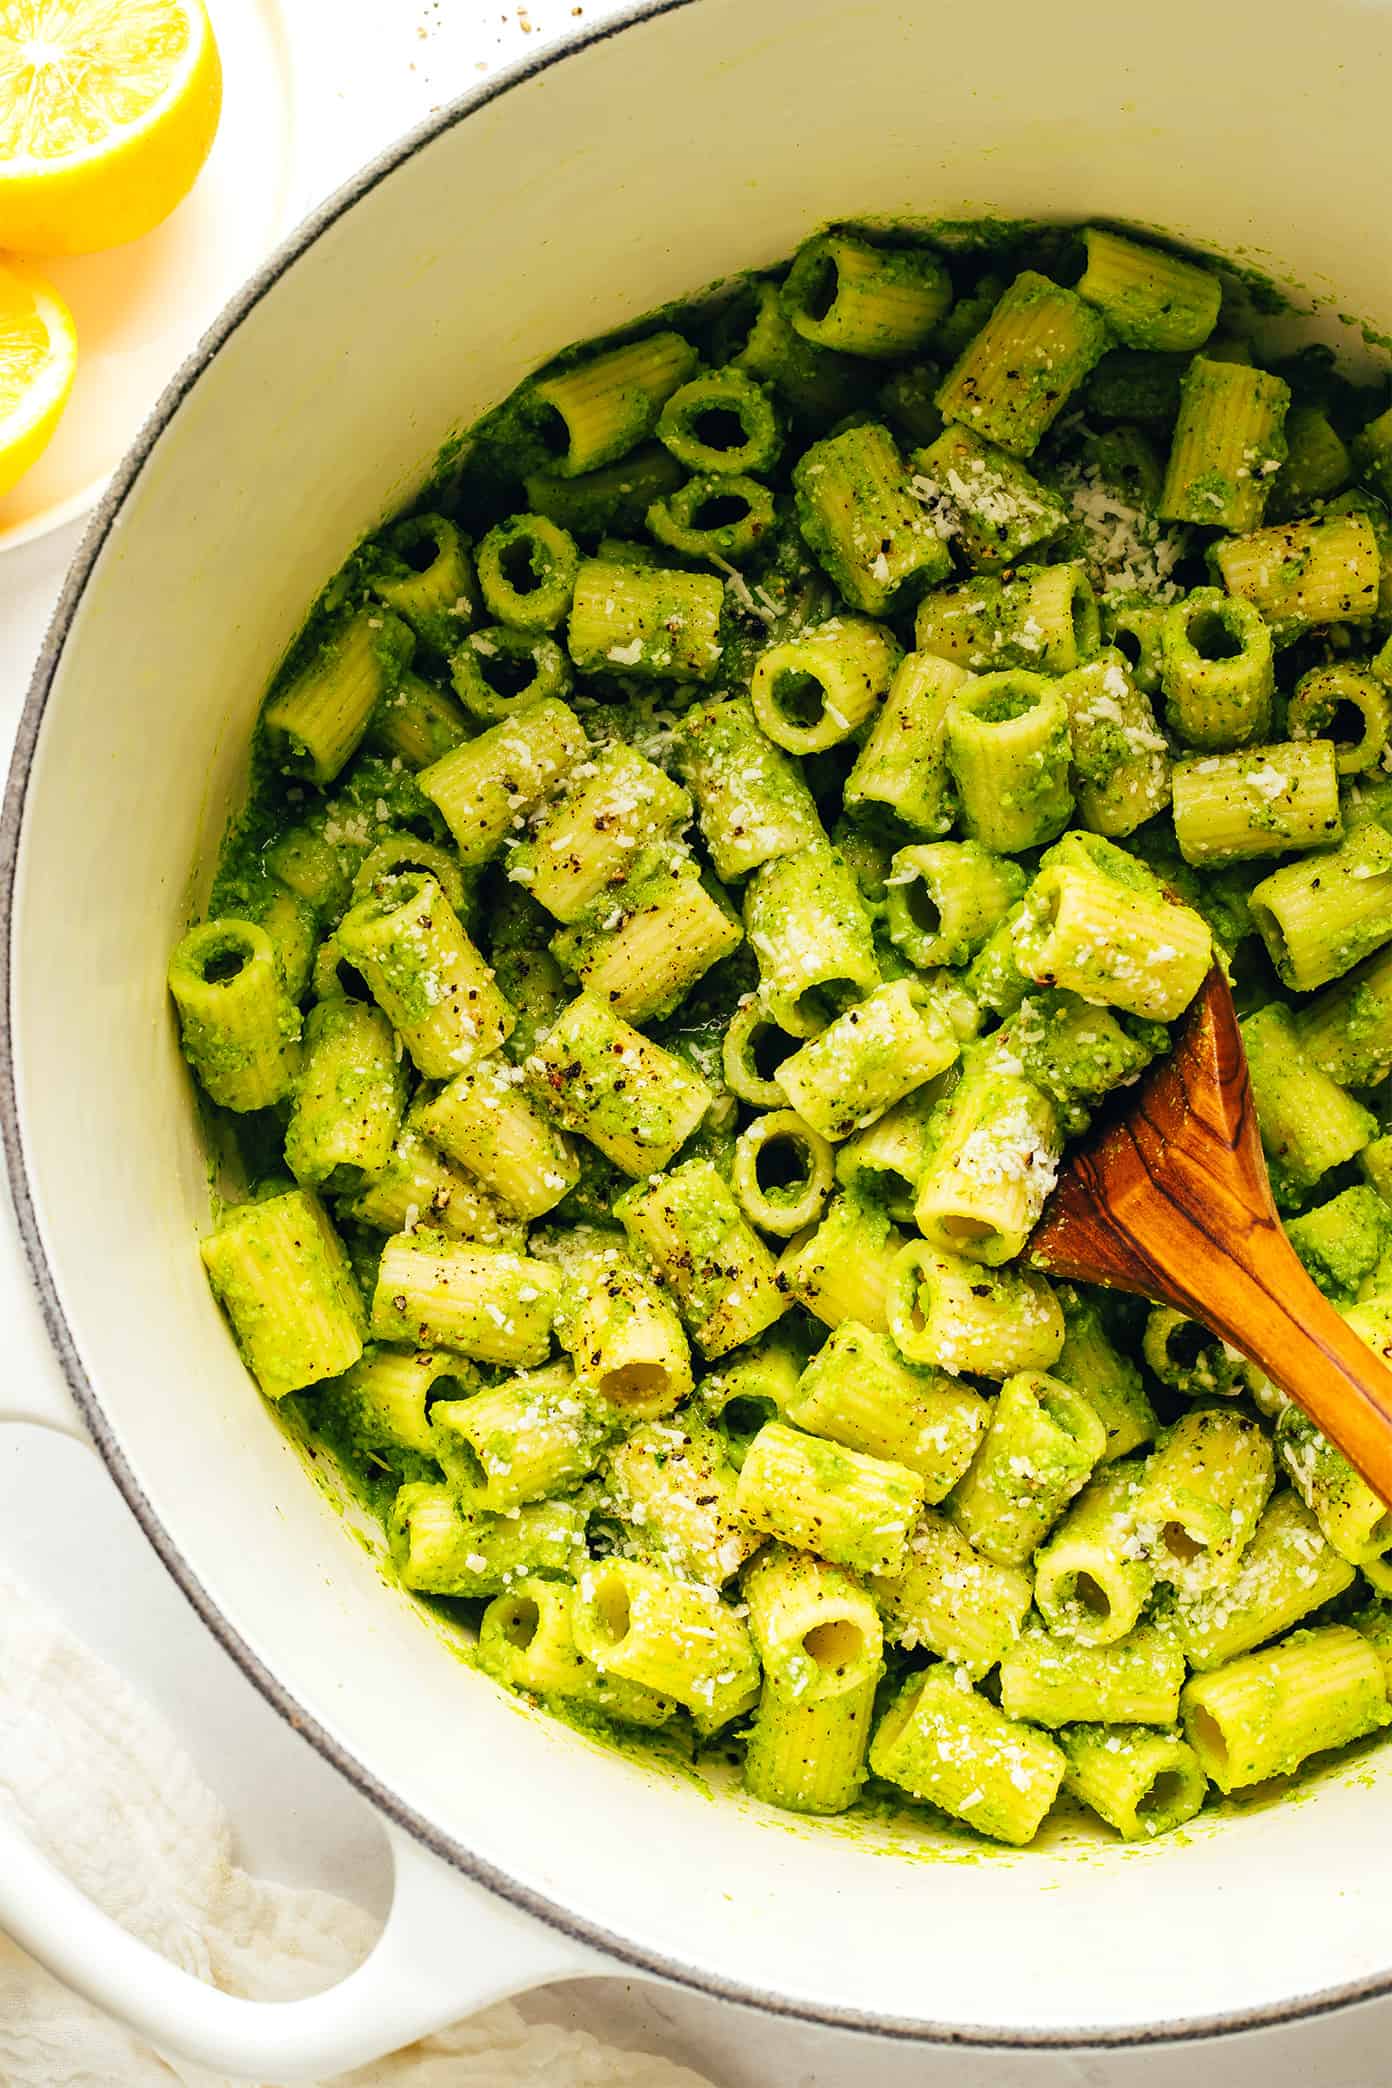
(108, 110)
(38, 359)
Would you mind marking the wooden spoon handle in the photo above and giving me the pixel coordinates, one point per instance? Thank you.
(1171, 1201)
(1260, 1299)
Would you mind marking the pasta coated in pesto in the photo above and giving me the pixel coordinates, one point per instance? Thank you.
(704, 864)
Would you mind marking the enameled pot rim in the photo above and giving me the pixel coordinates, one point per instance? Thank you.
(625, 1952)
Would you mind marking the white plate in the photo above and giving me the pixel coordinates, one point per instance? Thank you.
(141, 308)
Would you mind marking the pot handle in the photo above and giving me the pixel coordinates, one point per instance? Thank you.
(35, 1389)
(449, 1946)
(448, 1949)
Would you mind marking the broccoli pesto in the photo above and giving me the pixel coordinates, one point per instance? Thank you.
(704, 862)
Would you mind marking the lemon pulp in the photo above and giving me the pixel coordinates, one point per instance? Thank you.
(38, 358)
(108, 110)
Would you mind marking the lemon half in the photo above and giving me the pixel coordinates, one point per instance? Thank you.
(108, 110)
(38, 358)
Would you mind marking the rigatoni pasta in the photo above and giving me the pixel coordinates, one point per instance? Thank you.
(782, 1173)
(1135, 1680)
(440, 1546)
(425, 974)
(1092, 1578)
(533, 1436)
(671, 1483)
(1042, 1443)
(421, 569)
(812, 937)
(1139, 1781)
(1013, 379)
(239, 1028)
(868, 1059)
(1264, 1714)
(316, 721)
(791, 768)
(841, 1269)
(998, 510)
(859, 1392)
(994, 1161)
(902, 764)
(688, 1225)
(601, 409)
(614, 806)
(638, 950)
(483, 786)
(1229, 808)
(953, 1746)
(672, 1636)
(1288, 1569)
(485, 1119)
(1228, 444)
(280, 1272)
(841, 1504)
(486, 1302)
(819, 1639)
(1300, 574)
(752, 801)
(960, 1315)
(815, 691)
(881, 301)
(527, 1641)
(951, 1600)
(858, 511)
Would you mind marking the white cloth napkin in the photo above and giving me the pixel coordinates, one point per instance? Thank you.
(107, 1791)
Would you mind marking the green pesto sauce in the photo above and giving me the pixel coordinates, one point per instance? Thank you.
(478, 476)
(884, 1822)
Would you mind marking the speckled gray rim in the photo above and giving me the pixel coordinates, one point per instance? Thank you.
(623, 1950)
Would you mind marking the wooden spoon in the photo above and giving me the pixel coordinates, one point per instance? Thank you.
(1170, 1199)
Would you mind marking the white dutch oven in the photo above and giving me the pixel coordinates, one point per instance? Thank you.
(693, 139)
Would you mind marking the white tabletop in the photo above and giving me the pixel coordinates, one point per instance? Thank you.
(363, 71)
